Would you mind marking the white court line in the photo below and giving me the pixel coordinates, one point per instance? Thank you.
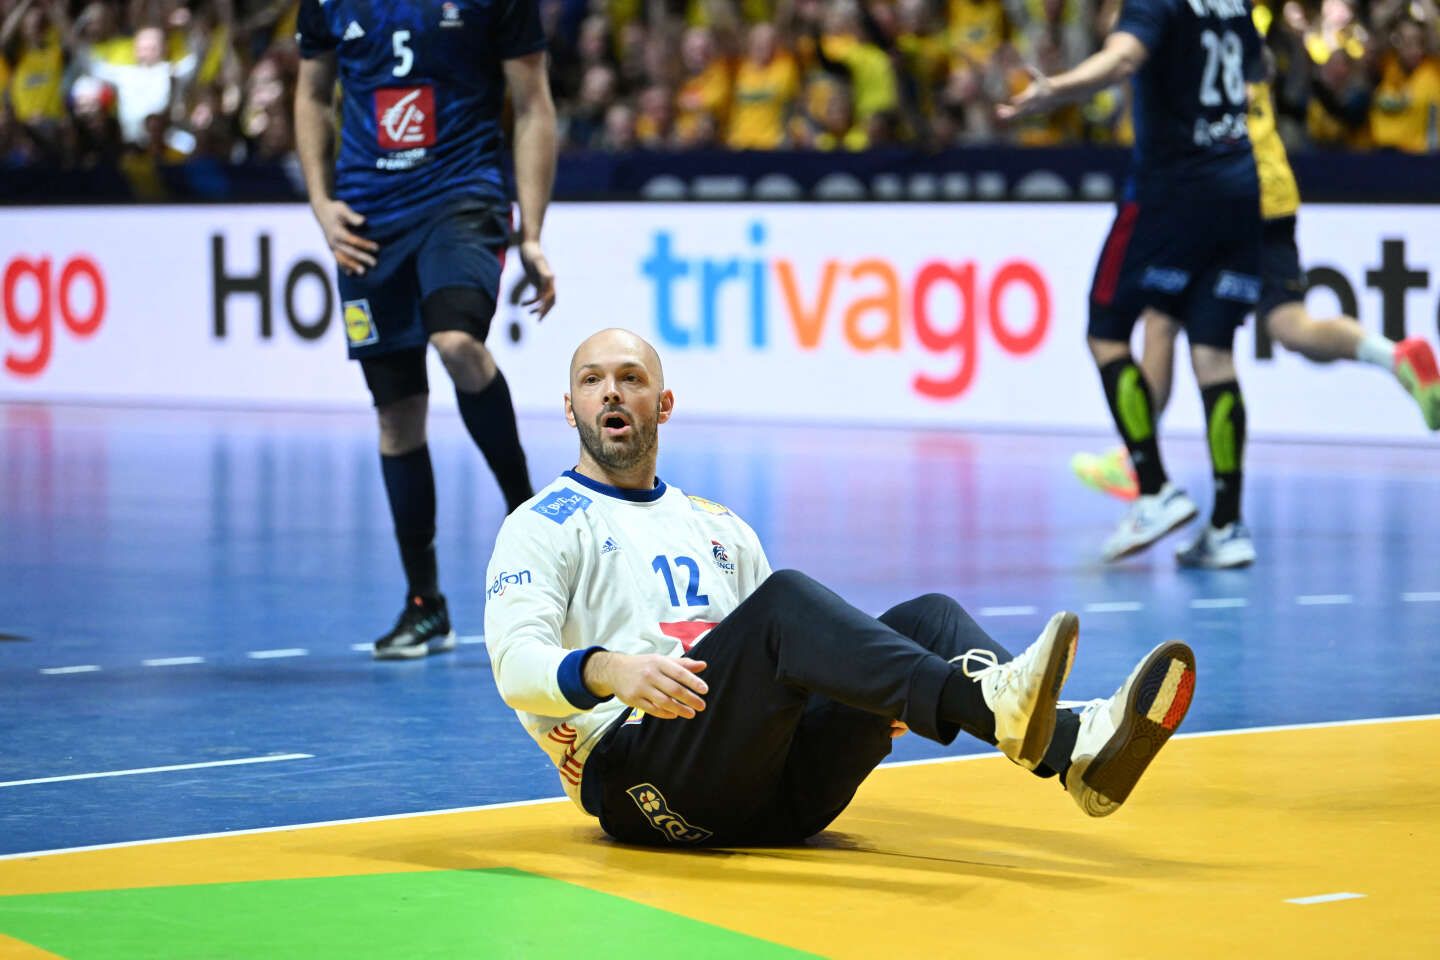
(1218, 603)
(533, 803)
(1007, 611)
(473, 638)
(1324, 599)
(362, 647)
(276, 758)
(81, 668)
(171, 661)
(1423, 596)
(1326, 898)
(277, 654)
(1118, 606)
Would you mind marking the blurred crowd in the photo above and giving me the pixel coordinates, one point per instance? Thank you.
(85, 82)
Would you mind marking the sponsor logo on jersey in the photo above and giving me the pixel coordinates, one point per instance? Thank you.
(360, 327)
(721, 558)
(656, 809)
(405, 117)
(353, 32)
(504, 581)
(562, 504)
(609, 546)
(708, 506)
(450, 16)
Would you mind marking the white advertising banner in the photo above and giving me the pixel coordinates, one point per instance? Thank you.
(922, 314)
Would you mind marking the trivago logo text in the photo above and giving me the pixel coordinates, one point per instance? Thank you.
(871, 303)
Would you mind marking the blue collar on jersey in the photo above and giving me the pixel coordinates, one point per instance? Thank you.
(620, 493)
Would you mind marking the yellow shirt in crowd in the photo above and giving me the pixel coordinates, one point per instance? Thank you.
(705, 94)
(763, 98)
(36, 91)
(1403, 111)
(977, 28)
(871, 76)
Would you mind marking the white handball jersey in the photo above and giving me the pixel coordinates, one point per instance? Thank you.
(583, 565)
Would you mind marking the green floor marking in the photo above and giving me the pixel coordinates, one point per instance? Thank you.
(442, 914)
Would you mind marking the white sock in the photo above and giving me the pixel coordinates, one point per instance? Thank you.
(1377, 350)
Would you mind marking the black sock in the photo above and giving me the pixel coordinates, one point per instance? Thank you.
(1225, 428)
(1133, 409)
(962, 703)
(1062, 745)
(490, 417)
(410, 485)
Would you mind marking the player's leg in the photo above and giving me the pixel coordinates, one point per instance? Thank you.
(1217, 310)
(1282, 305)
(1133, 273)
(1010, 703)
(725, 770)
(460, 265)
(398, 383)
(382, 326)
(1112, 472)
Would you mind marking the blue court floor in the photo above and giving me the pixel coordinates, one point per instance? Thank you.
(198, 589)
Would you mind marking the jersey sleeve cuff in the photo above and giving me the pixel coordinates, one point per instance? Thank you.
(572, 683)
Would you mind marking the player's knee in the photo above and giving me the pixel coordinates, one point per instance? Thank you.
(1212, 364)
(466, 359)
(786, 583)
(402, 425)
(1286, 324)
(1107, 351)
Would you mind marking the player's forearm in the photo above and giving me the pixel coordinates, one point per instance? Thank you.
(535, 143)
(1114, 63)
(314, 144)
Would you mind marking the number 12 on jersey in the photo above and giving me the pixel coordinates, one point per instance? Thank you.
(693, 596)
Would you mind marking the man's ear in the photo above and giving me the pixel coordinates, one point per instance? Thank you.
(569, 411)
(667, 406)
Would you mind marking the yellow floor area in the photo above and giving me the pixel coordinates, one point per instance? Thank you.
(970, 858)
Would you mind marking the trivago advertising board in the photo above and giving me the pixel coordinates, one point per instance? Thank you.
(925, 314)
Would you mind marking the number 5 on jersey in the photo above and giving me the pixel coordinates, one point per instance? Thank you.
(693, 596)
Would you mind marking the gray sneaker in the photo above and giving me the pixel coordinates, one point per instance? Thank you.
(1219, 549)
(1149, 519)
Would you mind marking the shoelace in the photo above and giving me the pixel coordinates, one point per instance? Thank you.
(991, 663)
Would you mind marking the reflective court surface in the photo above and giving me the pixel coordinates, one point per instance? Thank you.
(186, 605)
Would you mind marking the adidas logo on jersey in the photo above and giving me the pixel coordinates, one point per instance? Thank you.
(609, 546)
(354, 31)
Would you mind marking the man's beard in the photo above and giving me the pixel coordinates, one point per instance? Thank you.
(616, 455)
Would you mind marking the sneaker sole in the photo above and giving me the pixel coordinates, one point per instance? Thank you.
(1226, 565)
(1063, 635)
(437, 645)
(1158, 700)
(1133, 549)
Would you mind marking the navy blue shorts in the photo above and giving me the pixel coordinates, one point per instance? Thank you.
(1282, 279)
(1191, 255)
(459, 246)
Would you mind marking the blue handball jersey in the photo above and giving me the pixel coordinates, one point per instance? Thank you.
(1190, 95)
(422, 90)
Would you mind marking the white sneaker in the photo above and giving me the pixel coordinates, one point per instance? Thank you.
(1119, 737)
(1216, 549)
(1149, 519)
(1022, 692)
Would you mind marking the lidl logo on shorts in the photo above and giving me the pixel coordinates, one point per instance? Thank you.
(656, 808)
(359, 323)
(561, 505)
